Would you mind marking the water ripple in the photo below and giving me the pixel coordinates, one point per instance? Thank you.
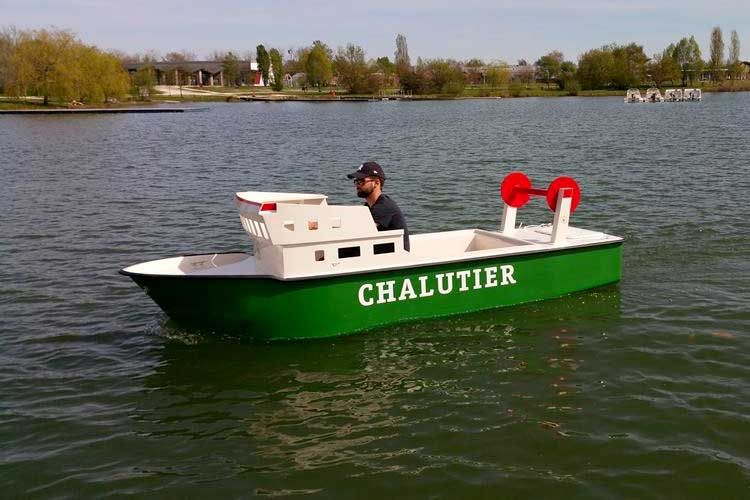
(635, 390)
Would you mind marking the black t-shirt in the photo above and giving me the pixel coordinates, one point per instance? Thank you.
(388, 216)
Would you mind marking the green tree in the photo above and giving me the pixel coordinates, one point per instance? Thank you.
(8, 40)
(144, 82)
(716, 63)
(264, 62)
(415, 80)
(40, 64)
(230, 66)
(567, 80)
(444, 77)
(687, 55)
(97, 76)
(549, 66)
(277, 64)
(319, 66)
(595, 69)
(385, 66)
(55, 65)
(662, 68)
(629, 65)
(297, 62)
(352, 70)
(497, 74)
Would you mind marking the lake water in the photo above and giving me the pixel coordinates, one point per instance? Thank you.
(640, 390)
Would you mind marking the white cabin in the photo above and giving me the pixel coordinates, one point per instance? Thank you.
(633, 95)
(298, 235)
(692, 94)
(673, 95)
(653, 95)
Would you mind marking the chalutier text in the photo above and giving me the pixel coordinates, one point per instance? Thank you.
(382, 292)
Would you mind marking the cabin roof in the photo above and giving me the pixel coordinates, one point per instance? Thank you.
(260, 197)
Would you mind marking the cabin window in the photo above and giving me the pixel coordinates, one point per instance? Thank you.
(335, 222)
(349, 252)
(320, 255)
(383, 248)
(289, 225)
(312, 225)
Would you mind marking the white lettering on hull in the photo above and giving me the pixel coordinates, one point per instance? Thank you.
(382, 292)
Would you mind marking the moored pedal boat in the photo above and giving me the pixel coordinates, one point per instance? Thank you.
(320, 270)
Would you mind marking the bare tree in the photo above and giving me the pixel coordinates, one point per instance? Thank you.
(8, 39)
(717, 53)
(735, 66)
(401, 58)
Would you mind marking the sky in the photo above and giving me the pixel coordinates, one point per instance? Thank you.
(504, 30)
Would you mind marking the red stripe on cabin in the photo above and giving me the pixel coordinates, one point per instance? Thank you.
(263, 207)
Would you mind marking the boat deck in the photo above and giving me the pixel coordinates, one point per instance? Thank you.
(426, 249)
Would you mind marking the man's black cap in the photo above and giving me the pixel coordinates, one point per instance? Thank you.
(368, 169)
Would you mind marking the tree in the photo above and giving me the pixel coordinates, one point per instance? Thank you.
(143, 82)
(735, 66)
(595, 69)
(524, 74)
(353, 73)
(497, 74)
(444, 77)
(567, 80)
(662, 67)
(384, 65)
(687, 56)
(277, 64)
(39, 61)
(230, 66)
(401, 57)
(549, 66)
(629, 65)
(319, 66)
(414, 80)
(55, 65)
(8, 40)
(264, 62)
(716, 62)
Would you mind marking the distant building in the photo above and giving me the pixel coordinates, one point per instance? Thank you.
(199, 73)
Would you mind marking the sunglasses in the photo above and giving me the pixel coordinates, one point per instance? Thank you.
(359, 182)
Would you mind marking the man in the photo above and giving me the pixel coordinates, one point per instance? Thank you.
(369, 179)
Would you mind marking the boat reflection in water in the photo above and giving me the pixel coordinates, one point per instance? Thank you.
(377, 401)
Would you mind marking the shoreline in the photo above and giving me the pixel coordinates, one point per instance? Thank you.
(31, 105)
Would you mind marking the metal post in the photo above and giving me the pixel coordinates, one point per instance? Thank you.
(562, 215)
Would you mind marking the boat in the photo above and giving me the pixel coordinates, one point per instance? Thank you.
(692, 95)
(633, 95)
(320, 270)
(653, 95)
(673, 95)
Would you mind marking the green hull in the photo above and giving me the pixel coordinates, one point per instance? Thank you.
(266, 308)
